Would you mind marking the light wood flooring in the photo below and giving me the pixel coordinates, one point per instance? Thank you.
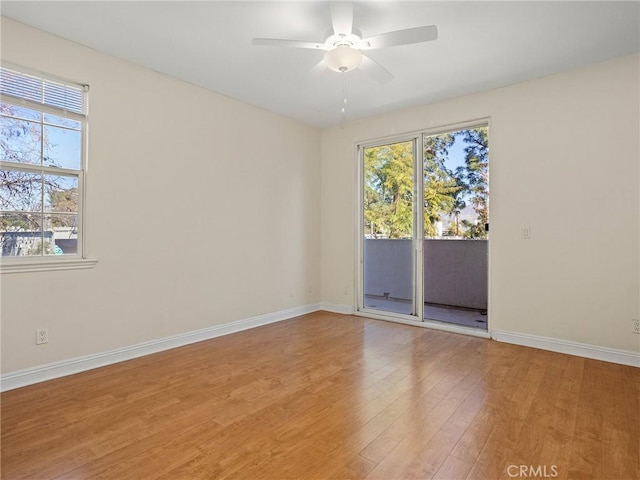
(328, 396)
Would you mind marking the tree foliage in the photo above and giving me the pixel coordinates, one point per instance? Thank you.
(476, 175)
(389, 190)
(441, 186)
(24, 141)
(19, 191)
(389, 180)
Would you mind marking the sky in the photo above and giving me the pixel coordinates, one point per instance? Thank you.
(456, 154)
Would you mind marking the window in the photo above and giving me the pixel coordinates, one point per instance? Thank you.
(42, 165)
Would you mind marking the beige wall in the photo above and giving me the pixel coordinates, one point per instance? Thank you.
(203, 210)
(564, 161)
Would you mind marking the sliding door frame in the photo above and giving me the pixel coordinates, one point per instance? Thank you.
(417, 137)
(418, 231)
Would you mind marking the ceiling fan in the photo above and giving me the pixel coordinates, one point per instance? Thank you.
(344, 44)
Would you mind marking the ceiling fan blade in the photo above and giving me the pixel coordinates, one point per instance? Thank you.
(278, 42)
(319, 69)
(401, 37)
(375, 70)
(341, 17)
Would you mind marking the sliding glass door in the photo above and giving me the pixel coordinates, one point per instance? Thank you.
(456, 227)
(389, 227)
(424, 227)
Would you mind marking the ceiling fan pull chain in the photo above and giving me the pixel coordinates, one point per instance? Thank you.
(344, 96)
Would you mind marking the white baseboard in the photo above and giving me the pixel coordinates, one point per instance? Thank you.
(42, 373)
(624, 357)
(337, 308)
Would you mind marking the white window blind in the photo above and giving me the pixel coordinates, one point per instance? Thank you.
(66, 96)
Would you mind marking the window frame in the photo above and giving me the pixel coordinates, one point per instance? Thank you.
(79, 260)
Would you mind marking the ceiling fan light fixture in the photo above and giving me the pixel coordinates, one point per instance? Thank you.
(343, 58)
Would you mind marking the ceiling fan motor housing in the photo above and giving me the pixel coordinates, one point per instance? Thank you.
(343, 58)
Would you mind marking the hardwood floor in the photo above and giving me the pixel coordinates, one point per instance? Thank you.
(328, 396)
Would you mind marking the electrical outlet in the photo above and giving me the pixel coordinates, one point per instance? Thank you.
(42, 336)
(635, 328)
(347, 291)
(309, 288)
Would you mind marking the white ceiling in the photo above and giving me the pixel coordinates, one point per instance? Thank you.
(481, 45)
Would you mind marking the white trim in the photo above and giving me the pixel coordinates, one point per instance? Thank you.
(40, 169)
(42, 373)
(31, 105)
(358, 277)
(445, 128)
(417, 243)
(445, 327)
(42, 264)
(337, 308)
(624, 357)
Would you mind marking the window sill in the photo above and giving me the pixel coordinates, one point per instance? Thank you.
(38, 265)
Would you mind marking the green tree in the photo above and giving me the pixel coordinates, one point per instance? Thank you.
(388, 196)
(459, 202)
(63, 201)
(389, 190)
(441, 185)
(477, 178)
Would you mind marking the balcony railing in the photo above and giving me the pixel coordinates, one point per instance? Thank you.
(455, 271)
